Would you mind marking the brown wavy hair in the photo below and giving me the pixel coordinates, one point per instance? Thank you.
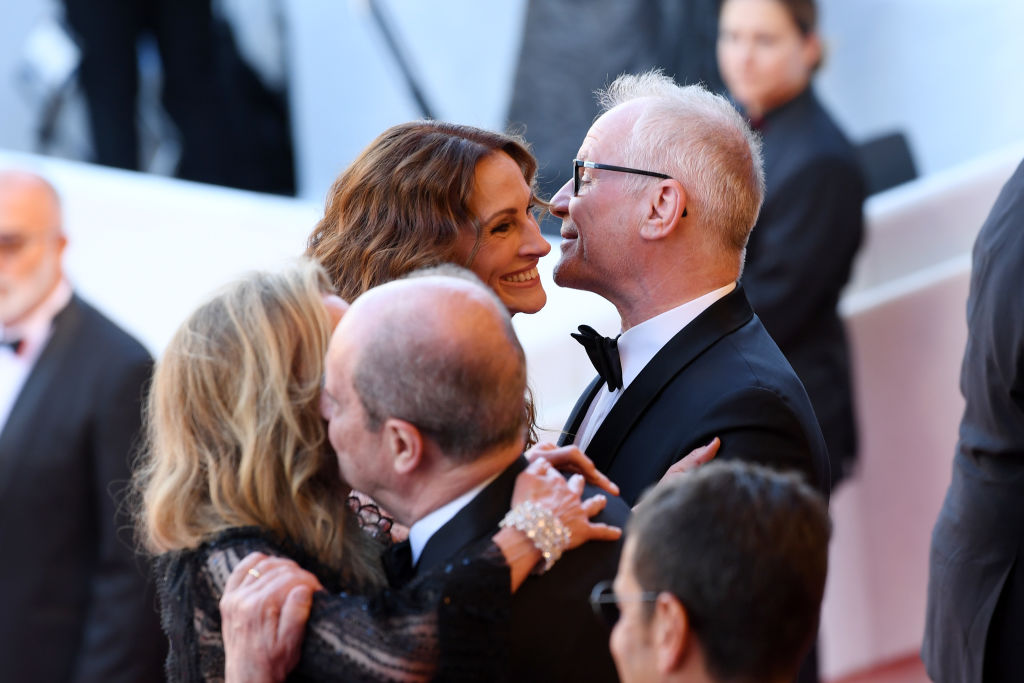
(234, 435)
(403, 202)
(401, 205)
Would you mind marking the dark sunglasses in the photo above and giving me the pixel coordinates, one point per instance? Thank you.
(577, 164)
(605, 602)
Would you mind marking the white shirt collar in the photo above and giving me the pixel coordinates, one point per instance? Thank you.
(639, 344)
(34, 329)
(424, 528)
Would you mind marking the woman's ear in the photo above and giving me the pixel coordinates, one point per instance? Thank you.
(667, 208)
(336, 308)
(813, 51)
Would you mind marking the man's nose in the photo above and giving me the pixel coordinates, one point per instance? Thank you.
(560, 202)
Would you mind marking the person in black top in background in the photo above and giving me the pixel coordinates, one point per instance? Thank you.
(802, 247)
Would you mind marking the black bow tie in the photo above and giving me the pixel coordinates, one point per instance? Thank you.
(13, 344)
(604, 354)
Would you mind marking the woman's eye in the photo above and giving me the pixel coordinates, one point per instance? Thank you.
(501, 227)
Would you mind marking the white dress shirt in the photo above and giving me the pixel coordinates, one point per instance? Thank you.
(425, 527)
(637, 346)
(34, 331)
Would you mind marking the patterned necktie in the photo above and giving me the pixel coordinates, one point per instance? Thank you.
(603, 353)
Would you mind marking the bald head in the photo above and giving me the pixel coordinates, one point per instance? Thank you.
(439, 352)
(31, 243)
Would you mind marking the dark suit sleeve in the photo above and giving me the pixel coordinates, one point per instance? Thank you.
(757, 425)
(122, 640)
(806, 241)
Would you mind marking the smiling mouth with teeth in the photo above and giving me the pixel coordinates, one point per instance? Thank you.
(524, 276)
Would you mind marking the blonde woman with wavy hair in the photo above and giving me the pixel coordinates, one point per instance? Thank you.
(237, 461)
(234, 434)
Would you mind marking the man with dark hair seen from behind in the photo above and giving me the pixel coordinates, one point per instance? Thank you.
(76, 605)
(737, 599)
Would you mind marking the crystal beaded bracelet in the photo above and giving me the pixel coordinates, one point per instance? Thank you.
(543, 528)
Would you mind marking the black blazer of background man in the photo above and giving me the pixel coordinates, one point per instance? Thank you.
(74, 599)
(74, 592)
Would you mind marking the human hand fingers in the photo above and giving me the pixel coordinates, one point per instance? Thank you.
(594, 505)
(576, 484)
(277, 581)
(572, 459)
(241, 570)
(695, 458)
(291, 628)
(603, 532)
(539, 450)
(536, 483)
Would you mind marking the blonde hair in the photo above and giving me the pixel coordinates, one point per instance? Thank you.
(234, 433)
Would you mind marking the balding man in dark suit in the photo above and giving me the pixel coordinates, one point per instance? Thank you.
(76, 605)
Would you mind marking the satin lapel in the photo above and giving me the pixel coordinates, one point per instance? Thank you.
(723, 317)
(579, 411)
(477, 520)
(32, 398)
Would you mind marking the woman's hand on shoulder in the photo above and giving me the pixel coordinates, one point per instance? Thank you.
(546, 487)
(571, 459)
(264, 609)
(694, 459)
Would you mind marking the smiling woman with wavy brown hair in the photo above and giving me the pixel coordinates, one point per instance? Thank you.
(429, 192)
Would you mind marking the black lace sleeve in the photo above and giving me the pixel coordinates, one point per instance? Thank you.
(450, 625)
(446, 626)
(372, 521)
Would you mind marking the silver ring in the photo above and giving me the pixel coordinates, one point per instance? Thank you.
(253, 572)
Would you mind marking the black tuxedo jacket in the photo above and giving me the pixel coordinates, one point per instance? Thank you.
(74, 595)
(722, 375)
(554, 634)
(799, 258)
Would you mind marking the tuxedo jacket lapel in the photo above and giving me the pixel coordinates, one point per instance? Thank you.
(33, 393)
(477, 520)
(723, 317)
(579, 411)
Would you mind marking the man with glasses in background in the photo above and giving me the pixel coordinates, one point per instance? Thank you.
(665, 190)
(739, 599)
(76, 603)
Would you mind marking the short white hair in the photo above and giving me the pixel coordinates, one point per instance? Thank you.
(698, 138)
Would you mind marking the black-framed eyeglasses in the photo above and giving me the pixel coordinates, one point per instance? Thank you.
(605, 602)
(577, 164)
